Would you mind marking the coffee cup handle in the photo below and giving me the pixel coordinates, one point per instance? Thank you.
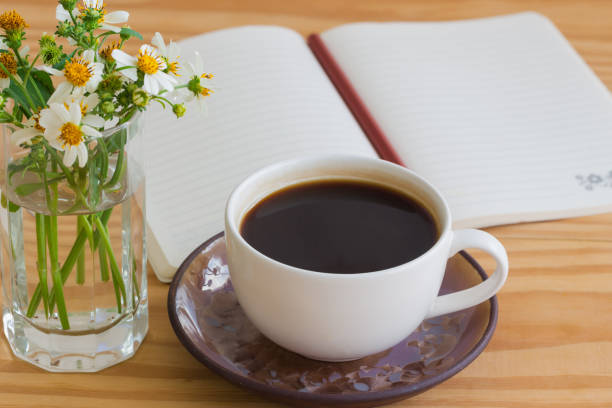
(472, 238)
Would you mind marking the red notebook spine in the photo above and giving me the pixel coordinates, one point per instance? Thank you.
(352, 99)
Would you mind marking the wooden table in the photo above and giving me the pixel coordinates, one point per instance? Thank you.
(553, 344)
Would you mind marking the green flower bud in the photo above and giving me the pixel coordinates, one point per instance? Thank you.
(131, 88)
(63, 29)
(68, 4)
(50, 54)
(140, 98)
(124, 98)
(79, 31)
(14, 38)
(105, 96)
(91, 18)
(111, 84)
(47, 41)
(108, 107)
(179, 110)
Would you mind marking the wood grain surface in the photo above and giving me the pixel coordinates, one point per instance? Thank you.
(553, 344)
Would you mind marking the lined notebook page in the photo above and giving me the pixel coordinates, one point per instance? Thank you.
(273, 102)
(500, 113)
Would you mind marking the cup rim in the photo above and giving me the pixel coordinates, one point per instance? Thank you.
(232, 228)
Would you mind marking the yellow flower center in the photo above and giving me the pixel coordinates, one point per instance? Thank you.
(12, 21)
(107, 52)
(205, 92)
(207, 76)
(71, 134)
(173, 67)
(9, 63)
(147, 64)
(78, 71)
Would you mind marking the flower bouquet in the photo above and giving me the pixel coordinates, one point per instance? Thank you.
(72, 166)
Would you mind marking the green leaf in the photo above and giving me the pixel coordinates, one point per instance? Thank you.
(17, 113)
(5, 117)
(114, 142)
(37, 80)
(43, 80)
(128, 32)
(13, 91)
(12, 207)
(28, 188)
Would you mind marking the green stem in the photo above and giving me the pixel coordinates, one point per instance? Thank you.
(58, 161)
(120, 163)
(51, 225)
(80, 275)
(116, 274)
(72, 18)
(134, 277)
(104, 160)
(83, 225)
(40, 97)
(20, 60)
(164, 99)
(116, 285)
(68, 264)
(52, 204)
(103, 264)
(27, 77)
(41, 241)
(69, 176)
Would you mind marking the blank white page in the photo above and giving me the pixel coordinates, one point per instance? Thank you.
(272, 102)
(501, 114)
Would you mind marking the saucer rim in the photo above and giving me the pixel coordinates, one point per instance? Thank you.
(389, 395)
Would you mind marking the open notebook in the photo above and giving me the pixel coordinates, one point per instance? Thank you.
(501, 114)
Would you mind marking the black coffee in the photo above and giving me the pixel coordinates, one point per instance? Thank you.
(340, 227)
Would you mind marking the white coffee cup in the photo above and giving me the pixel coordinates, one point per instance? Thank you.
(340, 317)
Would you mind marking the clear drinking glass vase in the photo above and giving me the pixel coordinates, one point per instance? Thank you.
(73, 253)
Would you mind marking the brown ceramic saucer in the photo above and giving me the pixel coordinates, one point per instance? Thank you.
(210, 323)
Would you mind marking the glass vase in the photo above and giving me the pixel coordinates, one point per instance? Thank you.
(73, 253)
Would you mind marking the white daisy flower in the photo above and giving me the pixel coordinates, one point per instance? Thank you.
(151, 64)
(169, 52)
(65, 131)
(198, 83)
(87, 104)
(106, 19)
(81, 73)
